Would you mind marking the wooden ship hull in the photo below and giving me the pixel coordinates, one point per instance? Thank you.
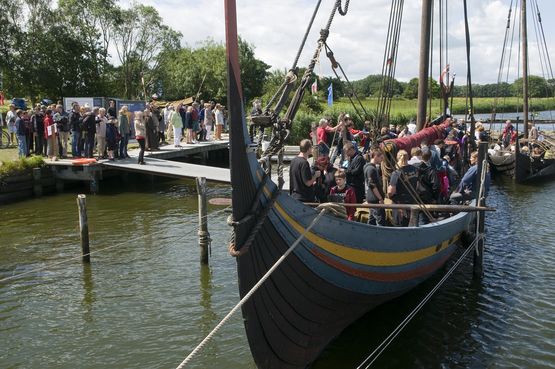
(339, 271)
(521, 167)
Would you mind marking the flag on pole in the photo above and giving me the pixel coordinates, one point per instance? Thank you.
(314, 87)
(330, 95)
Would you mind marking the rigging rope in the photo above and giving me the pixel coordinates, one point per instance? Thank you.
(335, 64)
(389, 63)
(289, 79)
(251, 292)
(367, 363)
(281, 127)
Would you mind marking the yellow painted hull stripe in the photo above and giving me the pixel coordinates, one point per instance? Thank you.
(365, 257)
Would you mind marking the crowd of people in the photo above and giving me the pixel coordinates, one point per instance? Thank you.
(353, 170)
(100, 133)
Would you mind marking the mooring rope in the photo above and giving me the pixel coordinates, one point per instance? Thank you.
(251, 292)
(50, 265)
(367, 363)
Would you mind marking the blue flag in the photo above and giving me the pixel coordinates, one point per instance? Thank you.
(330, 95)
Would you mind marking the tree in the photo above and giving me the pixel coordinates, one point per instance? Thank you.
(183, 72)
(537, 87)
(411, 89)
(139, 40)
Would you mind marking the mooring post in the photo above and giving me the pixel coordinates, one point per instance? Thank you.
(479, 250)
(37, 183)
(203, 235)
(84, 227)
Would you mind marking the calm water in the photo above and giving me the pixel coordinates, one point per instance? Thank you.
(146, 303)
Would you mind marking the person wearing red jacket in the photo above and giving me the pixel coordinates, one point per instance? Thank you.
(323, 130)
(50, 134)
(343, 193)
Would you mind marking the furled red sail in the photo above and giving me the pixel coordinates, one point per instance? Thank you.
(429, 135)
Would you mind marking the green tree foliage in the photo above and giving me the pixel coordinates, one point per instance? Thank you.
(372, 86)
(411, 89)
(537, 87)
(184, 71)
(140, 38)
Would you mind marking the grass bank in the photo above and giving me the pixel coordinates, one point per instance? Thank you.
(18, 166)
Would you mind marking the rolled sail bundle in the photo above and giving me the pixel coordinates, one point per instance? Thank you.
(392, 147)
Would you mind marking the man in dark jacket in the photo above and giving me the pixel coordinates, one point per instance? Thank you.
(89, 129)
(20, 132)
(75, 123)
(355, 170)
(37, 122)
(374, 185)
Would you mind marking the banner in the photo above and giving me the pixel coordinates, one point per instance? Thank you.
(330, 95)
(314, 88)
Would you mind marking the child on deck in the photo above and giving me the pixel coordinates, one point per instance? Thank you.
(343, 193)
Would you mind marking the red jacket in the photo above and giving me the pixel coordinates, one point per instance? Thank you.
(348, 196)
(47, 122)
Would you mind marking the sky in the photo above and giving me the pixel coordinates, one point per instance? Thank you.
(275, 29)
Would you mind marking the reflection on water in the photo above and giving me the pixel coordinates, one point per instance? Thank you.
(147, 301)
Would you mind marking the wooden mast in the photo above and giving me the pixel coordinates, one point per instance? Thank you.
(425, 36)
(524, 36)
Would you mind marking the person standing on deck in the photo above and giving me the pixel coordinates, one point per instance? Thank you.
(101, 122)
(124, 131)
(37, 121)
(75, 123)
(402, 184)
(466, 189)
(301, 180)
(208, 121)
(177, 124)
(533, 132)
(89, 131)
(20, 132)
(343, 193)
(374, 186)
(324, 130)
(355, 170)
(50, 135)
(140, 135)
(219, 120)
(11, 116)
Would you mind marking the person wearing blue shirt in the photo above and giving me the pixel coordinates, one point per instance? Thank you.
(466, 189)
(20, 132)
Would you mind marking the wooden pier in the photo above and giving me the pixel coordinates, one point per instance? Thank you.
(161, 162)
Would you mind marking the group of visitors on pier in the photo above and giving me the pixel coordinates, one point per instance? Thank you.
(100, 133)
(353, 171)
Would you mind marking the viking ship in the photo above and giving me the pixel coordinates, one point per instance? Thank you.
(521, 164)
(339, 270)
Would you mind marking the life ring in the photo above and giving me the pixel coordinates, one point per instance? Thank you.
(83, 161)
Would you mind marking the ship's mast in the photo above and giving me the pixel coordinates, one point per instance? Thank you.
(524, 37)
(425, 36)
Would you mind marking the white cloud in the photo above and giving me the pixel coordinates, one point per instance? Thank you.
(276, 28)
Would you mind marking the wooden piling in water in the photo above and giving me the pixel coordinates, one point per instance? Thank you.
(203, 235)
(84, 227)
(37, 182)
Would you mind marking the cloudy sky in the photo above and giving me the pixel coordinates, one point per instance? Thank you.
(276, 28)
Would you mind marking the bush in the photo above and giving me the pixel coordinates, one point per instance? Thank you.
(20, 166)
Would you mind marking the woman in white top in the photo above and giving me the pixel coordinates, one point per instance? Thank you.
(219, 117)
(208, 121)
(101, 121)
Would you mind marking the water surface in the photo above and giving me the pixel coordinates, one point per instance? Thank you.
(145, 301)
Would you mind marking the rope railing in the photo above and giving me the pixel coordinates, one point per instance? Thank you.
(251, 292)
(50, 265)
(374, 355)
